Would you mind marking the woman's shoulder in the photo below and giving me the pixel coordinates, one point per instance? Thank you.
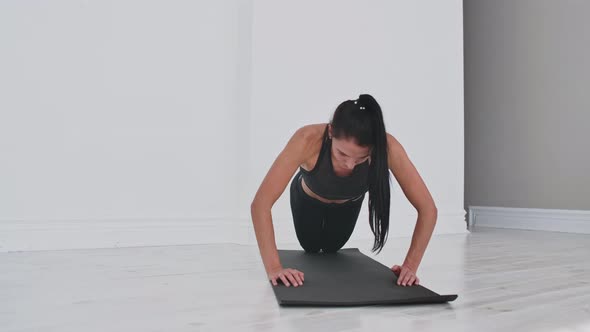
(308, 139)
(312, 132)
(393, 145)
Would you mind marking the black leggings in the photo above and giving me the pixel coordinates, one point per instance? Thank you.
(319, 225)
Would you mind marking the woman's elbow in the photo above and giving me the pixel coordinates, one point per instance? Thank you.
(430, 210)
(256, 206)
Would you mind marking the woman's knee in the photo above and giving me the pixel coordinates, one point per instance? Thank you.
(311, 250)
(331, 249)
(310, 246)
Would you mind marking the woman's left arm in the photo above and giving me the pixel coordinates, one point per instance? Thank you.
(417, 193)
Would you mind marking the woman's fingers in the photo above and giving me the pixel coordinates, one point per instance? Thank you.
(292, 278)
(410, 277)
(288, 277)
(284, 279)
(297, 277)
(402, 276)
(407, 278)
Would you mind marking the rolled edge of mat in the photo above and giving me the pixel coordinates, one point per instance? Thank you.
(417, 300)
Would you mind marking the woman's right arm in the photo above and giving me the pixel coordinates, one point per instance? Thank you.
(271, 188)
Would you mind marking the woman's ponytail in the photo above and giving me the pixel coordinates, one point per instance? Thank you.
(362, 120)
(379, 179)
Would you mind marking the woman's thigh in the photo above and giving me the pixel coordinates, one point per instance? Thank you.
(318, 225)
(308, 217)
(339, 225)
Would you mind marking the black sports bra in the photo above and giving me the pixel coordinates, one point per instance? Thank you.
(324, 182)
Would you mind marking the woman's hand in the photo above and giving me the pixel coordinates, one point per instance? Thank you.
(405, 275)
(288, 276)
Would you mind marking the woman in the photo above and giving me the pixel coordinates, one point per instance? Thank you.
(338, 163)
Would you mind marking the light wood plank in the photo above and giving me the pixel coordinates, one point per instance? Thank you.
(507, 280)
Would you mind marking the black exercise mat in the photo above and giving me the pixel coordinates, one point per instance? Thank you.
(347, 278)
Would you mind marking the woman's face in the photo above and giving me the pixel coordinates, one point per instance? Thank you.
(347, 154)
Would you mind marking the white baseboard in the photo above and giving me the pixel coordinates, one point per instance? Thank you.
(28, 235)
(570, 221)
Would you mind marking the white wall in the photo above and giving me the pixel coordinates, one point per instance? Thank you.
(153, 122)
(308, 56)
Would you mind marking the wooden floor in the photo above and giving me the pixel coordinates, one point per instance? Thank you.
(507, 280)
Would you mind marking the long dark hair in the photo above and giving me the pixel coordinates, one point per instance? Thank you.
(362, 120)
